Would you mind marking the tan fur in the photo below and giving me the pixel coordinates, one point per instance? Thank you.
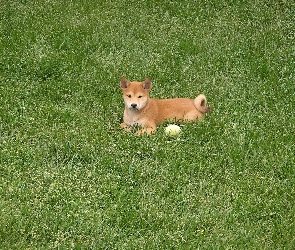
(148, 113)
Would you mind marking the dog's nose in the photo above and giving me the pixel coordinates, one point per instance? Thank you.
(134, 105)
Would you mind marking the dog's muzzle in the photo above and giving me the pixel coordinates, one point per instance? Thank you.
(134, 105)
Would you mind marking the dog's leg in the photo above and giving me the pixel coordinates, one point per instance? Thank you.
(126, 127)
(192, 116)
(123, 125)
(147, 130)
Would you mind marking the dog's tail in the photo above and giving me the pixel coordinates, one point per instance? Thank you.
(200, 103)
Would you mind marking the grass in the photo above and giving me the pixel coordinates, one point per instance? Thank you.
(70, 178)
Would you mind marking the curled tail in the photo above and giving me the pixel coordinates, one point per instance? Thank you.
(200, 103)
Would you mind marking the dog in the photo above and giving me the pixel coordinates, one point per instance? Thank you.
(147, 113)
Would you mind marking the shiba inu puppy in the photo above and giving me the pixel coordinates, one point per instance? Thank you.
(148, 113)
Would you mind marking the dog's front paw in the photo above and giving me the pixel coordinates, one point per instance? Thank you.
(147, 131)
(126, 127)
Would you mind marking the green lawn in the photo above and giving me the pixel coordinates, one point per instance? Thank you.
(70, 178)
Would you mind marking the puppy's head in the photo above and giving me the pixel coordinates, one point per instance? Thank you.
(135, 94)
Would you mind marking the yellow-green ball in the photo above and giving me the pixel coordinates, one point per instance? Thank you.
(172, 130)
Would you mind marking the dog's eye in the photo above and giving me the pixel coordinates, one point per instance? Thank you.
(129, 96)
(139, 96)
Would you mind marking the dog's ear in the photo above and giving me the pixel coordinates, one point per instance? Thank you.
(124, 83)
(147, 84)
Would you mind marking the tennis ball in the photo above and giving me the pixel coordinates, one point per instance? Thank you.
(172, 130)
